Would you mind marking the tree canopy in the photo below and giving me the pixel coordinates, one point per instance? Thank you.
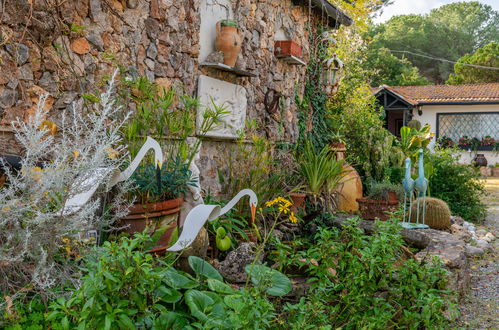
(487, 56)
(448, 32)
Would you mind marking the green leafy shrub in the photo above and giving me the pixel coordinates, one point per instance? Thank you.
(126, 288)
(366, 281)
(457, 185)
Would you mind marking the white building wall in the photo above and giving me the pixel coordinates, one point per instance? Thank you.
(429, 116)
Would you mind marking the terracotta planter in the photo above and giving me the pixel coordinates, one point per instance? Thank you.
(495, 171)
(298, 200)
(154, 216)
(371, 209)
(228, 42)
(287, 47)
(350, 187)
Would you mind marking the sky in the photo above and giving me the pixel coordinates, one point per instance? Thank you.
(401, 7)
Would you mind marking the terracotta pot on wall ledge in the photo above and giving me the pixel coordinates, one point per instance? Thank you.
(228, 42)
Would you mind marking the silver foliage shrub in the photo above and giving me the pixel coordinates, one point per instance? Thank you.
(32, 226)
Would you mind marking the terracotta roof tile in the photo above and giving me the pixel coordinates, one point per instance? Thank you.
(447, 93)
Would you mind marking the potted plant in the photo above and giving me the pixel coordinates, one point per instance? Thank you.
(488, 141)
(445, 142)
(381, 199)
(158, 197)
(170, 117)
(228, 41)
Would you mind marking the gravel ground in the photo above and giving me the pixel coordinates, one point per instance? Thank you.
(480, 309)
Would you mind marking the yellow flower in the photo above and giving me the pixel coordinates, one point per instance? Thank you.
(76, 153)
(293, 218)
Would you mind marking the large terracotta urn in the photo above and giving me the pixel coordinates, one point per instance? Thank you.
(350, 186)
(228, 42)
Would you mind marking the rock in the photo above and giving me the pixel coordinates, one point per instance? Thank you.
(482, 244)
(13, 83)
(20, 52)
(96, 12)
(150, 64)
(65, 100)
(152, 51)
(152, 28)
(471, 228)
(25, 72)
(457, 220)
(96, 40)
(8, 98)
(47, 82)
(132, 4)
(80, 46)
(489, 237)
(460, 232)
(474, 251)
(481, 232)
(232, 268)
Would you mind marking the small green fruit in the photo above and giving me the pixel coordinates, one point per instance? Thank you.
(223, 244)
(221, 233)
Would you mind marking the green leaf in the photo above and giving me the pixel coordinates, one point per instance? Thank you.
(178, 281)
(199, 304)
(168, 295)
(127, 322)
(203, 268)
(107, 322)
(220, 287)
(270, 280)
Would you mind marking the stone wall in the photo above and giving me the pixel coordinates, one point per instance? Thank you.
(68, 48)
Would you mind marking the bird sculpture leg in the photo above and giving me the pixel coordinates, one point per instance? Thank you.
(410, 207)
(417, 210)
(424, 208)
(405, 204)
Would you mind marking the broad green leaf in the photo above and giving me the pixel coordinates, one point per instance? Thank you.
(199, 303)
(270, 280)
(178, 281)
(168, 295)
(203, 268)
(220, 287)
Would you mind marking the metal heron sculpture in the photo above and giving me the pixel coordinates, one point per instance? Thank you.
(421, 185)
(408, 184)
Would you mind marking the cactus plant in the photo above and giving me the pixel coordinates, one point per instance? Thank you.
(437, 213)
(416, 124)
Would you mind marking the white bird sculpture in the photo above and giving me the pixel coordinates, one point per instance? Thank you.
(89, 182)
(200, 214)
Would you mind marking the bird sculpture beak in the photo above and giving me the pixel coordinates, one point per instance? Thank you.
(159, 164)
(253, 213)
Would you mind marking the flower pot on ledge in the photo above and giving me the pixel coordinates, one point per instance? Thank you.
(155, 216)
(380, 209)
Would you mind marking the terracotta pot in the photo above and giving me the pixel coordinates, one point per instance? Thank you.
(392, 196)
(480, 160)
(350, 187)
(485, 171)
(371, 209)
(298, 200)
(154, 216)
(495, 171)
(228, 42)
(287, 47)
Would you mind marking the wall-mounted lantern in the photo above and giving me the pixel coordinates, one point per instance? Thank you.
(331, 73)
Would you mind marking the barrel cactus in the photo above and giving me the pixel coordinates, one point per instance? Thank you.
(437, 213)
(416, 124)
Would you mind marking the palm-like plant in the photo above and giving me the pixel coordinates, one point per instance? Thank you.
(320, 170)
